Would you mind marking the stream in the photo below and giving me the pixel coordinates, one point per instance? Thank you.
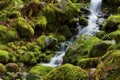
(91, 29)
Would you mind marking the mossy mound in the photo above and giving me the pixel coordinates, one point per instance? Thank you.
(67, 72)
(4, 56)
(112, 23)
(24, 28)
(80, 48)
(12, 67)
(88, 62)
(2, 68)
(40, 70)
(100, 48)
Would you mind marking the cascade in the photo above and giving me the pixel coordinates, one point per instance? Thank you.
(91, 29)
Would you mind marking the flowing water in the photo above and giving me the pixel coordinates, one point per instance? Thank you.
(92, 28)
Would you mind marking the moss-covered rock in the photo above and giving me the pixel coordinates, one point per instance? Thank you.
(12, 67)
(10, 35)
(14, 14)
(67, 72)
(40, 70)
(100, 48)
(30, 57)
(80, 48)
(24, 28)
(4, 56)
(88, 62)
(112, 23)
(2, 68)
(64, 30)
(46, 41)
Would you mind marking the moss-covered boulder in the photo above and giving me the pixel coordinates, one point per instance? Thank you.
(109, 69)
(24, 28)
(112, 23)
(100, 48)
(40, 70)
(4, 56)
(88, 62)
(67, 72)
(2, 68)
(12, 67)
(80, 48)
(46, 41)
(29, 57)
(64, 30)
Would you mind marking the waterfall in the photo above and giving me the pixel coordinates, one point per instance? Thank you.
(95, 9)
(91, 28)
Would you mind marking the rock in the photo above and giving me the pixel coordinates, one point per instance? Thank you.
(112, 23)
(80, 48)
(4, 56)
(23, 28)
(12, 67)
(100, 49)
(67, 72)
(40, 70)
(88, 62)
(2, 68)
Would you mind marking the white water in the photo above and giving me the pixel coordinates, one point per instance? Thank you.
(92, 28)
(95, 9)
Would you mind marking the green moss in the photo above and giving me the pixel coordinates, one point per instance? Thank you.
(41, 41)
(111, 23)
(10, 35)
(83, 21)
(64, 30)
(100, 48)
(40, 70)
(80, 48)
(3, 15)
(61, 38)
(4, 56)
(2, 68)
(24, 28)
(67, 72)
(88, 62)
(14, 14)
(41, 22)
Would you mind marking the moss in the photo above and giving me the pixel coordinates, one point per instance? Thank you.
(67, 72)
(14, 4)
(88, 62)
(10, 35)
(64, 30)
(112, 36)
(24, 28)
(29, 58)
(40, 70)
(41, 22)
(3, 29)
(111, 23)
(2, 68)
(3, 15)
(41, 41)
(61, 38)
(14, 14)
(80, 48)
(83, 21)
(100, 48)
(4, 56)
